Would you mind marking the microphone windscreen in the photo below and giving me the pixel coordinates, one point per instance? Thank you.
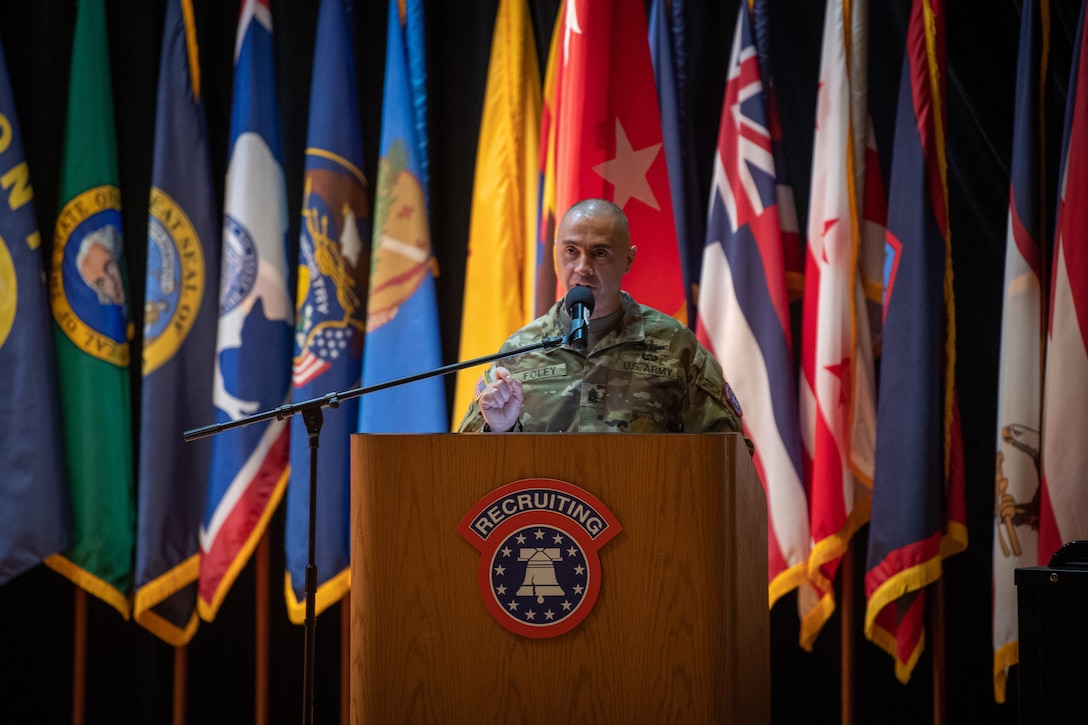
(579, 296)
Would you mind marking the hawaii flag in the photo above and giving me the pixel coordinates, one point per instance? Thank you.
(253, 349)
(744, 305)
(1063, 510)
(918, 515)
(180, 315)
(837, 398)
(402, 309)
(1019, 394)
(334, 257)
(608, 140)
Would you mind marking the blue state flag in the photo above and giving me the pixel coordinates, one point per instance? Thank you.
(402, 314)
(253, 346)
(180, 318)
(333, 265)
(33, 492)
(917, 509)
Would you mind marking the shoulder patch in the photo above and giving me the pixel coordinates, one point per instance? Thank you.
(732, 398)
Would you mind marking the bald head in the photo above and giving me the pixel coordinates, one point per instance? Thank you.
(593, 249)
(604, 210)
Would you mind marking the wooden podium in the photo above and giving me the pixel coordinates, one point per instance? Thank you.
(680, 628)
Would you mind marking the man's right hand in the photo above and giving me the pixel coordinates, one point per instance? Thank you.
(500, 402)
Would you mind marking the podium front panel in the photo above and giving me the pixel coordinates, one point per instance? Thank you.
(679, 631)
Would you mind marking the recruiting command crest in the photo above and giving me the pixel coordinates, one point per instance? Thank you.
(539, 573)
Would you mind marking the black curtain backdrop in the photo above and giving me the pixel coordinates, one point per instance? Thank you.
(130, 671)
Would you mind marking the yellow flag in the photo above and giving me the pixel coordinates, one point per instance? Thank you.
(502, 230)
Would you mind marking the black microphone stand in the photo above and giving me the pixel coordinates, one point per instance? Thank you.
(313, 419)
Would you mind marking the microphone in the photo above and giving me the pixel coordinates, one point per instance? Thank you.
(579, 304)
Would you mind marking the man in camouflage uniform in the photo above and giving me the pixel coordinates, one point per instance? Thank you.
(642, 372)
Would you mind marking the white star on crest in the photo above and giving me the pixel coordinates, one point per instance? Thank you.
(627, 171)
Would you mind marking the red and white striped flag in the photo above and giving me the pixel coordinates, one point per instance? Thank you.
(1063, 510)
(837, 398)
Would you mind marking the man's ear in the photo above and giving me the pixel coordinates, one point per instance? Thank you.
(631, 251)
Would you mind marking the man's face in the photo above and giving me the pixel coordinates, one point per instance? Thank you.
(589, 252)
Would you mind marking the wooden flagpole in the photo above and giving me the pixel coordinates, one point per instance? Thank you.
(345, 659)
(938, 650)
(846, 635)
(181, 673)
(79, 659)
(261, 647)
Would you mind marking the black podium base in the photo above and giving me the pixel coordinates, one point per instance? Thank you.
(1053, 621)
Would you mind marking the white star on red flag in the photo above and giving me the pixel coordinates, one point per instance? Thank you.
(627, 171)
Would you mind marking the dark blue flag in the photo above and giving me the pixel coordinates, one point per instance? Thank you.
(668, 52)
(333, 265)
(181, 313)
(33, 493)
(917, 509)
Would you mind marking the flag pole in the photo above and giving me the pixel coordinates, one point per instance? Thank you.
(345, 658)
(181, 668)
(846, 637)
(79, 659)
(261, 646)
(937, 625)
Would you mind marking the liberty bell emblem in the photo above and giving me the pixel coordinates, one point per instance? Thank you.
(540, 578)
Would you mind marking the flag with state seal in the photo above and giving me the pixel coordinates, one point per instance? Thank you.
(34, 509)
(89, 296)
(253, 346)
(333, 265)
(181, 301)
(402, 336)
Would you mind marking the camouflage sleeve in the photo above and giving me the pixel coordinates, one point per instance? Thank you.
(711, 406)
(473, 422)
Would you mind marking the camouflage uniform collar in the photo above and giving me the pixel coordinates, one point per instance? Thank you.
(631, 327)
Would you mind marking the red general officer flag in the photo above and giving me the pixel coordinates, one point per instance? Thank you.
(609, 142)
